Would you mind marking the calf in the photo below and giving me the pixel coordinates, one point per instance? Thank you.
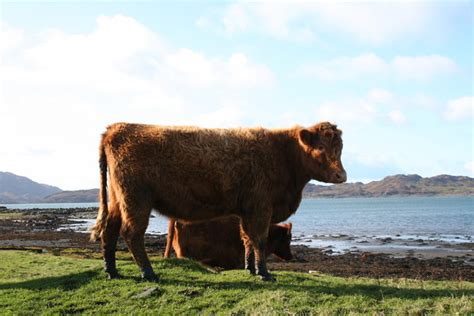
(218, 242)
(196, 174)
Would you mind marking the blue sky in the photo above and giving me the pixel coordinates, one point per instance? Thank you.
(397, 77)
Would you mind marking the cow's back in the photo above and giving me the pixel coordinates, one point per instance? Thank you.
(188, 173)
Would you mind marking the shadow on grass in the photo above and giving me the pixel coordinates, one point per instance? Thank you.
(65, 282)
(296, 283)
(185, 264)
(321, 287)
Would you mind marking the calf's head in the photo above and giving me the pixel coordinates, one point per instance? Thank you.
(321, 152)
(279, 239)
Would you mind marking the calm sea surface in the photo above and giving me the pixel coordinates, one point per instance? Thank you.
(446, 218)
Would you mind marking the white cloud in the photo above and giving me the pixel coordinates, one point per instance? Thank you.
(377, 105)
(397, 117)
(9, 37)
(203, 22)
(228, 116)
(425, 101)
(460, 109)
(380, 95)
(418, 68)
(375, 23)
(272, 19)
(235, 18)
(371, 159)
(422, 67)
(59, 91)
(346, 68)
(196, 69)
(276, 19)
(348, 111)
(469, 166)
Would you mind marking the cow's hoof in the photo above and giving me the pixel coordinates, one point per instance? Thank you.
(267, 278)
(251, 271)
(113, 275)
(151, 277)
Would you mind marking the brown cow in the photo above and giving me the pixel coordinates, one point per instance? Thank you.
(217, 242)
(195, 174)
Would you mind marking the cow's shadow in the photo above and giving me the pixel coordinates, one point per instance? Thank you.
(64, 282)
(297, 284)
(371, 291)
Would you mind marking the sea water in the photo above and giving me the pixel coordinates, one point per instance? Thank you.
(342, 223)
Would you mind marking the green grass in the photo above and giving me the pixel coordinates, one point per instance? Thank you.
(32, 283)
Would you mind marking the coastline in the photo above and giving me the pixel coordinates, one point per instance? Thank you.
(434, 195)
(49, 231)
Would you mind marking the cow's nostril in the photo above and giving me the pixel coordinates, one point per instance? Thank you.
(340, 176)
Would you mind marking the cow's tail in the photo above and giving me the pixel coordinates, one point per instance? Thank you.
(98, 228)
(169, 238)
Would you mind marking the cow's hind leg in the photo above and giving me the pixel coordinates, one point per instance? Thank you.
(109, 241)
(133, 231)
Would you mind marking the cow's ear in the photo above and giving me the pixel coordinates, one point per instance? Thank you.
(305, 137)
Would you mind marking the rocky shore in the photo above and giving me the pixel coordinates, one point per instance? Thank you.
(44, 231)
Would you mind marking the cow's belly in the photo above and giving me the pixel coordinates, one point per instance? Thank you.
(194, 200)
(189, 210)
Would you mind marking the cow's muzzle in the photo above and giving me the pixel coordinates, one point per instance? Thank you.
(339, 177)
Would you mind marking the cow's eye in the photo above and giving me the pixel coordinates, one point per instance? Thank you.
(321, 148)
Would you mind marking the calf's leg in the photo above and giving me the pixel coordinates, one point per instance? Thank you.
(133, 231)
(249, 257)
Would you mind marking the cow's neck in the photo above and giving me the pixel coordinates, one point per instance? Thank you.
(296, 175)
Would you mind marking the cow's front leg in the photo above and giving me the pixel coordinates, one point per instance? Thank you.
(261, 261)
(256, 232)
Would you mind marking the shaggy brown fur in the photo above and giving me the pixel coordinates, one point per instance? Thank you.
(195, 174)
(217, 242)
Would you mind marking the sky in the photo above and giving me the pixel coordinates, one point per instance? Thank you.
(397, 78)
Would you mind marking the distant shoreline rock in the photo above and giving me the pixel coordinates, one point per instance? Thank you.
(397, 185)
(79, 196)
(19, 189)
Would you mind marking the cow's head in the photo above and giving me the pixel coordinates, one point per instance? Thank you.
(280, 239)
(322, 148)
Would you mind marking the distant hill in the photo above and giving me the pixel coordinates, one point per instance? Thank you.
(18, 189)
(79, 196)
(396, 185)
(389, 186)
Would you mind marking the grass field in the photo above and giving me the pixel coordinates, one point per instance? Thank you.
(32, 283)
